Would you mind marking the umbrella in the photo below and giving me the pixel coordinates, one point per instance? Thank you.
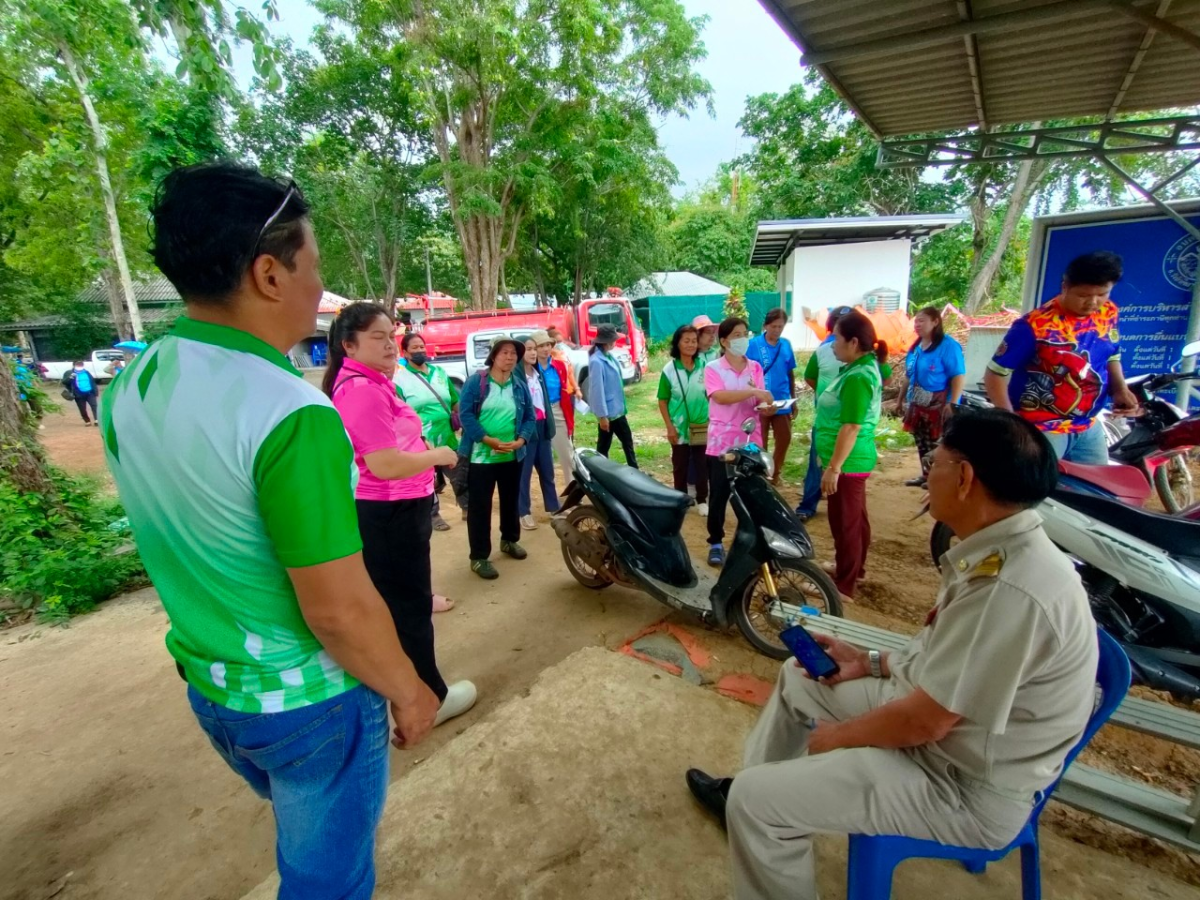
(135, 346)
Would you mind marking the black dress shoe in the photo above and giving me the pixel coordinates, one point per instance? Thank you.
(710, 792)
(915, 482)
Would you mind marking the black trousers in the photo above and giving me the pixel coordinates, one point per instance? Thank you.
(395, 536)
(690, 460)
(618, 428)
(483, 479)
(718, 498)
(83, 401)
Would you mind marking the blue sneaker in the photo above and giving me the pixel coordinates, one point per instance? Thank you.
(716, 556)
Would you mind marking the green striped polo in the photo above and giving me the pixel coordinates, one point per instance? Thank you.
(233, 469)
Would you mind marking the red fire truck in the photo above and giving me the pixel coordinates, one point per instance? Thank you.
(447, 337)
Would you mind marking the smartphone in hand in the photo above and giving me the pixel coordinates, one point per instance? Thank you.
(811, 655)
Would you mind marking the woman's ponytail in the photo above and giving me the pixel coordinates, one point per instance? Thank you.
(881, 351)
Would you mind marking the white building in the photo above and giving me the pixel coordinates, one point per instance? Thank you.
(825, 263)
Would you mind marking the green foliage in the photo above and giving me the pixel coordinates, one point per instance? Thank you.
(735, 305)
(58, 554)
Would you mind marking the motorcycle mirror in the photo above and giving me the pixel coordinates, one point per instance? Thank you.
(1192, 349)
(749, 425)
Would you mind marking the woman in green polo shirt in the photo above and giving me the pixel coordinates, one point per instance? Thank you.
(847, 416)
(683, 405)
(433, 396)
(498, 421)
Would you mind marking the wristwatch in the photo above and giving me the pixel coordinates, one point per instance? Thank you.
(875, 661)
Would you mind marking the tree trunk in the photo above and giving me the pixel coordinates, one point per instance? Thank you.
(20, 459)
(1028, 177)
(112, 290)
(100, 150)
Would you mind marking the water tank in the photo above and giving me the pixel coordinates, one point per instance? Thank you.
(882, 299)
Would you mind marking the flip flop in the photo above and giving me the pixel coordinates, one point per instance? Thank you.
(442, 604)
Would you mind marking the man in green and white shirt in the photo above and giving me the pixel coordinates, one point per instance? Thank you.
(237, 478)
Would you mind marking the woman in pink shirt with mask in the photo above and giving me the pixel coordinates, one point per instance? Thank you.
(735, 388)
(394, 496)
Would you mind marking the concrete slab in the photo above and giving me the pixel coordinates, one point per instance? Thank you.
(576, 790)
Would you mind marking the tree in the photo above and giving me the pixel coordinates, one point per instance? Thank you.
(498, 78)
(713, 230)
(813, 158)
(601, 220)
(346, 129)
(71, 38)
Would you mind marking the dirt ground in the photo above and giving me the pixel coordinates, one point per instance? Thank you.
(108, 780)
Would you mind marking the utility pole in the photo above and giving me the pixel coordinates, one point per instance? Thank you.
(428, 273)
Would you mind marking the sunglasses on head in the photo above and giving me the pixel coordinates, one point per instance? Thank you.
(293, 190)
(843, 311)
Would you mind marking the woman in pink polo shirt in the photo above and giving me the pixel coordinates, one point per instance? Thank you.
(735, 389)
(394, 495)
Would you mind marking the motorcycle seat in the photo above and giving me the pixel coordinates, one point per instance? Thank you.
(1126, 482)
(1173, 535)
(634, 487)
(660, 508)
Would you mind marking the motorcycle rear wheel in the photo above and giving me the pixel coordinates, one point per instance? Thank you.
(800, 582)
(585, 518)
(1173, 481)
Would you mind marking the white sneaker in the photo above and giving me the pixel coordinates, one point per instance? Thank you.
(527, 523)
(702, 509)
(460, 698)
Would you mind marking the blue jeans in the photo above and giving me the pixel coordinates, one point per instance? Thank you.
(1087, 448)
(812, 481)
(325, 770)
(539, 455)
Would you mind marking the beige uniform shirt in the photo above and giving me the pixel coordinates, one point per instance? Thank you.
(1012, 649)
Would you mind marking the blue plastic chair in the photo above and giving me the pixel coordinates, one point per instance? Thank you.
(873, 858)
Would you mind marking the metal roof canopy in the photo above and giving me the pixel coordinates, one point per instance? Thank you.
(774, 240)
(912, 66)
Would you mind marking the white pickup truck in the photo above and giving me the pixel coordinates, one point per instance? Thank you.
(479, 344)
(96, 365)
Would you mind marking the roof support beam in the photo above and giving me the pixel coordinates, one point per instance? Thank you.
(1103, 138)
(1158, 24)
(1010, 21)
(971, 45)
(1136, 62)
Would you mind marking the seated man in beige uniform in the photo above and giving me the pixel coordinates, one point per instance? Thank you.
(950, 738)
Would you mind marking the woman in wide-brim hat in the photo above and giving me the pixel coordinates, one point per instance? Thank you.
(498, 422)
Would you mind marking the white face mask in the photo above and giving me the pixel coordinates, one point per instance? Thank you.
(739, 346)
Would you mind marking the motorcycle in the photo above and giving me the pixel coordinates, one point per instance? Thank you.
(1141, 569)
(629, 534)
(1167, 471)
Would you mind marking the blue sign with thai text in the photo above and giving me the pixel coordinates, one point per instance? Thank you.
(1155, 296)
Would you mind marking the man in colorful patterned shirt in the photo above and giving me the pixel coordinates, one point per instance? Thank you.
(237, 478)
(1058, 365)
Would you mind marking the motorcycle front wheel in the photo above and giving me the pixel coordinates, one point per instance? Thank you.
(800, 583)
(1173, 481)
(585, 519)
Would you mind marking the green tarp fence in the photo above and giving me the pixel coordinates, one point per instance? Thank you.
(668, 313)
